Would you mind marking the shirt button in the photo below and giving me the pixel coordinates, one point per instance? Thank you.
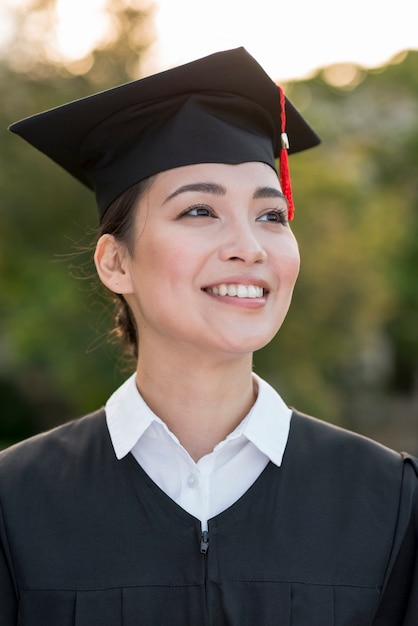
(192, 481)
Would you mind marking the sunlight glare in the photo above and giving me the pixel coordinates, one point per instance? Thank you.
(290, 40)
(80, 26)
(343, 75)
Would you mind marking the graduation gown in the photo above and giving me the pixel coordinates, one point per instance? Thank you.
(327, 539)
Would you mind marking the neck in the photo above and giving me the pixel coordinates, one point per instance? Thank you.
(201, 403)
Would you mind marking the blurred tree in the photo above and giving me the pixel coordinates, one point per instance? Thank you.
(54, 356)
(123, 33)
(397, 160)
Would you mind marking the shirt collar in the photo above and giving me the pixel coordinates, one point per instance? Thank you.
(266, 425)
(127, 416)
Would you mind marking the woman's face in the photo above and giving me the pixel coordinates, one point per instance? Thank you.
(214, 261)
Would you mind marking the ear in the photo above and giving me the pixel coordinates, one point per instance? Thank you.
(110, 258)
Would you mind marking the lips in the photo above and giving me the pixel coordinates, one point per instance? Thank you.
(237, 290)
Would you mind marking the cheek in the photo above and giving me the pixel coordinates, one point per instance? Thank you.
(294, 265)
(287, 263)
(167, 261)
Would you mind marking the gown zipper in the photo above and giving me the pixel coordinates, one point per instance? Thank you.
(204, 542)
(204, 547)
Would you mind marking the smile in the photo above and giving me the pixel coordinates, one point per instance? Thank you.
(240, 291)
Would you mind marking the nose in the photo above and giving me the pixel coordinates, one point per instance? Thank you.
(241, 244)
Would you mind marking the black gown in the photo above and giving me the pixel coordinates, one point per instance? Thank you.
(327, 539)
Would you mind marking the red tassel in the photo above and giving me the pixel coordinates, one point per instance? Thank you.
(285, 182)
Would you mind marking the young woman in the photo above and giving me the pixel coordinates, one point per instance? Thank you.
(196, 496)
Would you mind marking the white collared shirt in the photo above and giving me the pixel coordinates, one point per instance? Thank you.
(212, 484)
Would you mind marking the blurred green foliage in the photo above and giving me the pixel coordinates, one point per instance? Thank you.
(348, 349)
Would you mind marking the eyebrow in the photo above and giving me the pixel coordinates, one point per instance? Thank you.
(219, 190)
(268, 192)
(213, 188)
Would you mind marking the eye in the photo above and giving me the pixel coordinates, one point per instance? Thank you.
(275, 216)
(199, 210)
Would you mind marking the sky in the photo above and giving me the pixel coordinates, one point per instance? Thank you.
(290, 39)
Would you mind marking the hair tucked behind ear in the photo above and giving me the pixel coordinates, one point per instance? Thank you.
(124, 326)
(119, 221)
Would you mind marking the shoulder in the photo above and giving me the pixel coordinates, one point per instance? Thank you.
(48, 453)
(364, 477)
(336, 455)
(328, 440)
(411, 461)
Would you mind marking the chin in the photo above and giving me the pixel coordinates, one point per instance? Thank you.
(248, 345)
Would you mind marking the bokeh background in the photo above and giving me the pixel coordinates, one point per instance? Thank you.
(347, 352)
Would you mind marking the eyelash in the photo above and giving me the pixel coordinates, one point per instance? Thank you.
(279, 214)
(197, 207)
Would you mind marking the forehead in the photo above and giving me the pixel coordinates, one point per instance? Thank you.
(241, 177)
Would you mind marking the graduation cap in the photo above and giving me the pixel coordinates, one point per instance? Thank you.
(222, 108)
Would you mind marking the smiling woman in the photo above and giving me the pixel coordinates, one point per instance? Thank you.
(200, 237)
(197, 496)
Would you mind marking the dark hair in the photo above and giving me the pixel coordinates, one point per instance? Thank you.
(119, 221)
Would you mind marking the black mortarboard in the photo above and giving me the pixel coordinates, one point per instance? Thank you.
(220, 109)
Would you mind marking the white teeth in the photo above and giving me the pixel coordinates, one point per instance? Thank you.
(241, 291)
